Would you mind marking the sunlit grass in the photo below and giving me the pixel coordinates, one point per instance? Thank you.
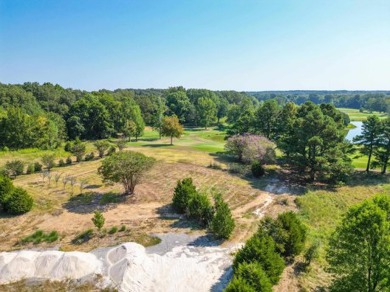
(356, 115)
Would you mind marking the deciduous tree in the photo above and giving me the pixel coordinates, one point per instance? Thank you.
(171, 127)
(359, 249)
(126, 167)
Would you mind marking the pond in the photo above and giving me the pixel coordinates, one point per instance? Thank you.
(355, 131)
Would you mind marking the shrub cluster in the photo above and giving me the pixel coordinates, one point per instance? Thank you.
(259, 264)
(187, 200)
(288, 232)
(222, 224)
(13, 200)
(89, 156)
(40, 236)
(33, 168)
(14, 168)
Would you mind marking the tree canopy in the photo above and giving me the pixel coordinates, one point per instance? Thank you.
(359, 249)
(125, 167)
(171, 127)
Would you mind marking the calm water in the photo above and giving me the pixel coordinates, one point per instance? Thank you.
(354, 132)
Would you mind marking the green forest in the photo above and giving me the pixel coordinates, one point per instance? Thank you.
(57, 144)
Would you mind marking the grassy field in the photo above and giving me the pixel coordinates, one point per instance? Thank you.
(144, 214)
(322, 210)
(210, 141)
(356, 115)
(148, 211)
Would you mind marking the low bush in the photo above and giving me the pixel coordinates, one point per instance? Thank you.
(199, 208)
(184, 190)
(83, 237)
(30, 168)
(14, 168)
(121, 144)
(257, 169)
(6, 188)
(222, 223)
(48, 161)
(254, 275)
(37, 166)
(69, 160)
(113, 230)
(102, 146)
(123, 228)
(260, 248)
(238, 168)
(89, 156)
(111, 150)
(61, 163)
(68, 147)
(18, 202)
(238, 284)
(40, 236)
(288, 232)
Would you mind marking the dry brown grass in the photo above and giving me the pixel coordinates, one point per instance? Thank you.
(145, 213)
(51, 286)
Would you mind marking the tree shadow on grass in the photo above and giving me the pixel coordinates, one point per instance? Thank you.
(223, 157)
(361, 178)
(147, 139)
(157, 145)
(178, 220)
(89, 187)
(90, 202)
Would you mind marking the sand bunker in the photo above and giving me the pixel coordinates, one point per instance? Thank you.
(128, 267)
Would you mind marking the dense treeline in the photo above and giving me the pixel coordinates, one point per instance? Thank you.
(375, 142)
(365, 100)
(311, 136)
(43, 116)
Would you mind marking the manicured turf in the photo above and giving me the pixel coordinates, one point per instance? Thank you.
(356, 115)
(197, 139)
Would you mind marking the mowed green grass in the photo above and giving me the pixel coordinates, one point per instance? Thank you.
(193, 140)
(356, 115)
(196, 139)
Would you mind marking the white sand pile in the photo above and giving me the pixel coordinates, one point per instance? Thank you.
(127, 267)
(55, 265)
(182, 269)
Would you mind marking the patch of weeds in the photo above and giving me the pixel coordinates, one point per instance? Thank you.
(123, 228)
(283, 202)
(247, 215)
(145, 239)
(238, 168)
(40, 236)
(113, 230)
(109, 198)
(214, 165)
(83, 237)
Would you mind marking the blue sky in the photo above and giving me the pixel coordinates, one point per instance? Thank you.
(215, 44)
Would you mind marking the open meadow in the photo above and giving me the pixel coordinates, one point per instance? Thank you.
(144, 214)
(68, 209)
